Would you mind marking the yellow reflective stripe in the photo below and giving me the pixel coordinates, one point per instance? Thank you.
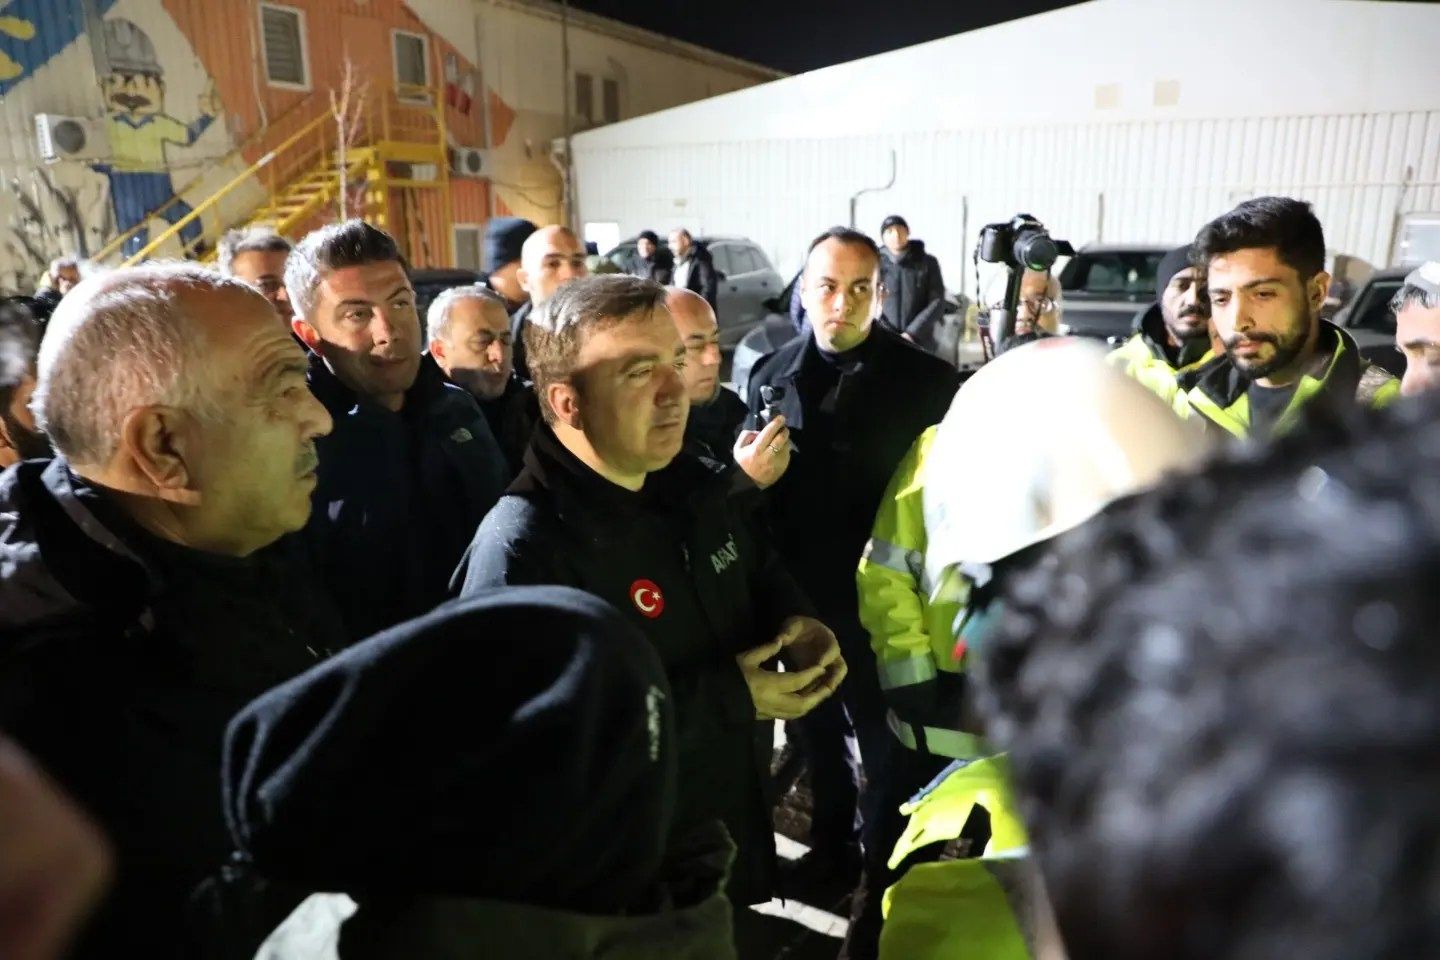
(939, 741)
(886, 554)
(907, 672)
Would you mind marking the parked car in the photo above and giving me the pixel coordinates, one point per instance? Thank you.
(1368, 319)
(747, 280)
(1106, 286)
(429, 284)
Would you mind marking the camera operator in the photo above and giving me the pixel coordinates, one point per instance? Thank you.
(855, 397)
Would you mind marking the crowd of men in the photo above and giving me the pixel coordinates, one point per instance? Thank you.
(485, 617)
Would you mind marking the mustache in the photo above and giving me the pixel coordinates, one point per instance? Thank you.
(1238, 339)
(309, 460)
(1195, 311)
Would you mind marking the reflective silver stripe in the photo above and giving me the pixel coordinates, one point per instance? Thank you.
(939, 741)
(891, 557)
(904, 673)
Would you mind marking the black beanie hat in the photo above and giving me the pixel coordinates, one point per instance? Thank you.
(517, 745)
(504, 238)
(650, 235)
(1171, 264)
(894, 220)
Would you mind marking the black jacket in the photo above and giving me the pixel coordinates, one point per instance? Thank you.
(702, 279)
(660, 267)
(712, 429)
(914, 291)
(122, 657)
(685, 562)
(850, 432)
(518, 320)
(512, 417)
(399, 496)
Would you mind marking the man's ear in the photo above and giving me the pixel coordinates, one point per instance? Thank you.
(522, 277)
(437, 350)
(564, 400)
(152, 440)
(1319, 289)
(307, 334)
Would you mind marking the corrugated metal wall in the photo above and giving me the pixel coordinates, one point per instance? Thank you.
(1155, 181)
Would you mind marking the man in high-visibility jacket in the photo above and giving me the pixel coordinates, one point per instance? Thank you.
(1173, 335)
(1265, 269)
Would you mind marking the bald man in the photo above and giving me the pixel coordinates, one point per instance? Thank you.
(717, 414)
(551, 257)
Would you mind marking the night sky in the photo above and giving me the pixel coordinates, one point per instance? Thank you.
(800, 35)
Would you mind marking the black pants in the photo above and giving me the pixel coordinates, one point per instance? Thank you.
(907, 774)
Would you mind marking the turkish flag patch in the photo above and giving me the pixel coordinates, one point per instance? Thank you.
(648, 599)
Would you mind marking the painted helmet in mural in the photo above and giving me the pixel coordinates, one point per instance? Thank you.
(130, 50)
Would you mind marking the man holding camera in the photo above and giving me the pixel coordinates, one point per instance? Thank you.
(854, 396)
(609, 504)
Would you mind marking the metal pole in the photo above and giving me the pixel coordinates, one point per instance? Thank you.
(858, 193)
(482, 70)
(568, 211)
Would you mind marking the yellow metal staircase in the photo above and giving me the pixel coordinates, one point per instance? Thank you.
(400, 131)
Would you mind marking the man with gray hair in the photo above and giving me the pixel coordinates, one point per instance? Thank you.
(609, 504)
(411, 468)
(148, 588)
(469, 337)
(257, 256)
(1417, 328)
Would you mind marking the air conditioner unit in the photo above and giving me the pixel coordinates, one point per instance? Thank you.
(469, 162)
(71, 138)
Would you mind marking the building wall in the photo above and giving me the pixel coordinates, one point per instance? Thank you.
(48, 64)
(1170, 113)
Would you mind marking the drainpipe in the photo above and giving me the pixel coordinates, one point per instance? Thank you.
(856, 196)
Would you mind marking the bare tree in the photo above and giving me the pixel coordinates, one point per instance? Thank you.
(348, 108)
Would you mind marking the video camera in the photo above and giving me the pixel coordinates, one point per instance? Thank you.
(1019, 245)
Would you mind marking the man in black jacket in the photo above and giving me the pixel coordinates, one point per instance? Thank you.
(468, 332)
(147, 588)
(716, 427)
(609, 504)
(694, 267)
(914, 289)
(651, 261)
(550, 258)
(411, 467)
(855, 397)
(504, 241)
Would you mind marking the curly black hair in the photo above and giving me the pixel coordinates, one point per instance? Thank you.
(1222, 702)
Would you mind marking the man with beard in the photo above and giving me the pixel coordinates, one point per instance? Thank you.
(411, 467)
(468, 330)
(19, 341)
(1174, 333)
(1265, 266)
(717, 414)
(694, 267)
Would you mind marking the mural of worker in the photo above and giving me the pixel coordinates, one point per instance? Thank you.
(134, 92)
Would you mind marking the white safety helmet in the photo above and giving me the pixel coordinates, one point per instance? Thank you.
(1036, 443)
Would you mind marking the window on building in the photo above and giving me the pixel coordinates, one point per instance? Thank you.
(610, 93)
(282, 32)
(585, 99)
(412, 60)
(468, 243)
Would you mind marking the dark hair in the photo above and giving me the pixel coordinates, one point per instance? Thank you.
(558, 327)
(847, 236)
(1288, 225)
(1221, 700)
(248, 240)
(894, 220)
(349, 244)
(19, 343)
(650, 235)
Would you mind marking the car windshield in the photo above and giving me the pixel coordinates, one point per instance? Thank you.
(1114, 272)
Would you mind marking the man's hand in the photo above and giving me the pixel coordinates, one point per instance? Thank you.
(808, 643)
(764, 455)
(53, 863)
(781, 696)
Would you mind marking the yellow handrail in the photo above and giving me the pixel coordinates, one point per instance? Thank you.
(115, 244)
(226, 190)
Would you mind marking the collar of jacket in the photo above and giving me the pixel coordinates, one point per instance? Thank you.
(1152, 332)
(549, 465)
(806, 356)
(341, 401)
(1217, 385)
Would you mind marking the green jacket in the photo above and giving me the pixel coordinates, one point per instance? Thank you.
(1217, 391)
(1148, 357)
(911, 629)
